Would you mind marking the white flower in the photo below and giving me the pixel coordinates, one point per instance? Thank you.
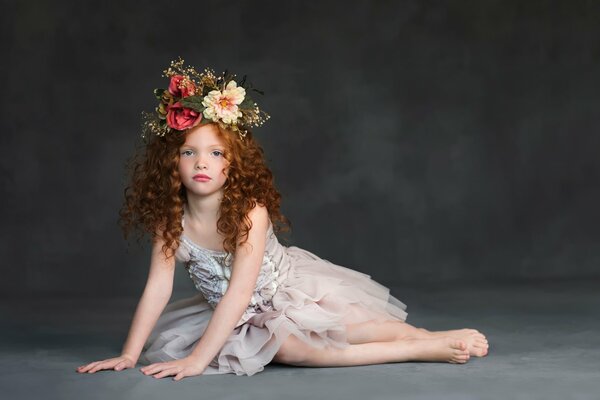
(224, 105)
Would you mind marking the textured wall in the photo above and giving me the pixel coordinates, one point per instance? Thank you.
(414, 141)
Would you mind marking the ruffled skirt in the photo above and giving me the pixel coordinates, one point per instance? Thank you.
(314, 303)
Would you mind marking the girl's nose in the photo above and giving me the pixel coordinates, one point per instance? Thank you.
(200, 164)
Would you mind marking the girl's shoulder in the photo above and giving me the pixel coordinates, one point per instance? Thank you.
(259, 213)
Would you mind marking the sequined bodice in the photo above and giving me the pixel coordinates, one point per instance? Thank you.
(210, 270)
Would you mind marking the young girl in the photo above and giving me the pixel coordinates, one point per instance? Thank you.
(203, 192)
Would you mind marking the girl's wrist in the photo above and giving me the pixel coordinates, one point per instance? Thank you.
(197, 360)
(130, 357)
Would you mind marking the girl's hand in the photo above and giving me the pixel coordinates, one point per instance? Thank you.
(117, 363)
(187, 366)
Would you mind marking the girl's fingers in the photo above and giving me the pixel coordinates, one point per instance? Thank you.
(120, 366)
(116, 363)
(89, 366)
(185, 372)
(145, 367)
(152, 369)
(96, 368)
(166, 372)
(84, 368)
(179, 376)
(103, 365)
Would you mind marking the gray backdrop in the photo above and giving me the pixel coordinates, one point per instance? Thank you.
(414, 141)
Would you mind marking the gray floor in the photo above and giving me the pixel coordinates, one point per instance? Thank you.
(544, 344)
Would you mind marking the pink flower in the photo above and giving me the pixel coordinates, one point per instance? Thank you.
(181, 86)
(181, 118)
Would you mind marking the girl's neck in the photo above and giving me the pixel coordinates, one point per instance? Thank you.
(203, 209)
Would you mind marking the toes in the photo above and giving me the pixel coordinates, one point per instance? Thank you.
(483, 347)
(480, 351)
(478, 339)
(474, 332)
(461, 354)
(459, 345)
(461, 359)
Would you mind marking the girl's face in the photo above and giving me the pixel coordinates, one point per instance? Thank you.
(202, 166)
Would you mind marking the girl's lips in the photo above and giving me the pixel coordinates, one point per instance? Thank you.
(201, 178)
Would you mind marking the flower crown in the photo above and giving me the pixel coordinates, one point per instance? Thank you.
(194, 98)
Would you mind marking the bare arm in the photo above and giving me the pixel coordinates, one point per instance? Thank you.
(229, 310)
(157, 293)
(155, 297)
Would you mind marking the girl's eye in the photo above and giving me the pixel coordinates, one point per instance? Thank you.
(187, 152)
(217, 153)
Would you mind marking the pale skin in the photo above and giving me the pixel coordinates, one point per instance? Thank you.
(372, 342)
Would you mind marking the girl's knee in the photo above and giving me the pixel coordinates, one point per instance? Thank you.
(293, 351)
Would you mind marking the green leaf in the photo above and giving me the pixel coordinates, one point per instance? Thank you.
(247, 103)
(158, 93)
(193, 102)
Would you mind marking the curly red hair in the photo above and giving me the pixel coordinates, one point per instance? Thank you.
(155, 197)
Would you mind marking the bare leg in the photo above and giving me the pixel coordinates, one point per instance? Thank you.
(296, 352)
(391, 330)
(384, 331)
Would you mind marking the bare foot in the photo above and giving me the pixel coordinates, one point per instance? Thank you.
(477, 343)
(442, 349)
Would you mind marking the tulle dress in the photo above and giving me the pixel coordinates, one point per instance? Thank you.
(296, 293)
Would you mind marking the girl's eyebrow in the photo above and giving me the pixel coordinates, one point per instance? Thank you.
(212, 145)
